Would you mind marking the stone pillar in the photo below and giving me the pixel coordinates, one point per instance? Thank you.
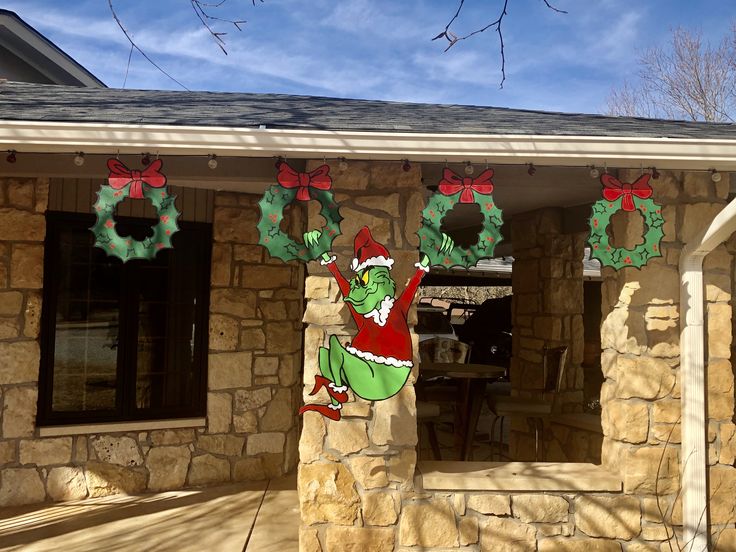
(547, 281)
(352, 472)
(22, 231)
(640, 336)
(255, 350)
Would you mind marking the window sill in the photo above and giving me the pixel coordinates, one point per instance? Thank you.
(515, 476)
(117, 427)
(588, 422)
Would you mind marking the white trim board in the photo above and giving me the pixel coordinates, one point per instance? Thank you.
(674, 153)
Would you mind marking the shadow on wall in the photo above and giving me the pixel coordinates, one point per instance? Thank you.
(498, 521)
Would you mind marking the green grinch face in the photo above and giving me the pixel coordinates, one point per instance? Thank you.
(369, 288)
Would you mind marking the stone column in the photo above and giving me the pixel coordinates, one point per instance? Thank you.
(352, 472)
(255, 351)
(22, 231)
(640, 338)
(547, 281)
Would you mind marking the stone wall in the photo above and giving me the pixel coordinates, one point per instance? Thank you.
(640, 339)
(352, 473)
(22, 231)
(355, 481)
(254, 367)
(547, 311)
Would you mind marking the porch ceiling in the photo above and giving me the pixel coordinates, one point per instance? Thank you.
(515, 190)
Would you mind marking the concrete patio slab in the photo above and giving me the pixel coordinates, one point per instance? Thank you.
(255, 516)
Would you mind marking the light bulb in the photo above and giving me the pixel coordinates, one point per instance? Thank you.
(146, 159)
(469, 169)
(715, 176)
(532, 169)
(11, 158)
(79, 159)
(212, 163)
(343, 165)
(594, 172)
(406, 166)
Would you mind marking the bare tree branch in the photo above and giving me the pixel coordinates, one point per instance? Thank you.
(134, 45)
(199, 8)
(453, 39)
(689, 80)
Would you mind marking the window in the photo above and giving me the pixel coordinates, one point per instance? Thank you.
(123, 341)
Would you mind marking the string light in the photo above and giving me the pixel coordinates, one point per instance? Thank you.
(11, 158)
(715, 176)
(212, 162)
(469, 169)
(532, 170)
(146, 159)
(655, 173)
(406, 166)
(343, 164)
(79, 159)
(594, 172)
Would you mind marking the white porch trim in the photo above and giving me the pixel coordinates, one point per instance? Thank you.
(694, 459)
(64, 137)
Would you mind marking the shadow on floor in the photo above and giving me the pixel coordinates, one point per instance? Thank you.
(230, 517)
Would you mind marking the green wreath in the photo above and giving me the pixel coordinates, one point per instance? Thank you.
(430, 235)
(126, 248)
(283, 246)
(619, 257)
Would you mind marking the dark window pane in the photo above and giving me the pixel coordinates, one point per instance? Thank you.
(167, 308)
(123, 340)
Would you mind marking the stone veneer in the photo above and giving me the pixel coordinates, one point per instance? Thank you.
(254, 365)
(356, 484)
(547, 311)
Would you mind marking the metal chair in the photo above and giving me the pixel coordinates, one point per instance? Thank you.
(533, 409)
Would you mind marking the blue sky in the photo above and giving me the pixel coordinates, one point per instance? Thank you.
(379, 49)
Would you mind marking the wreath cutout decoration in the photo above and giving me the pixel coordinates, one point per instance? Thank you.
(149, 183)
(293, 185)
(629, 197)
(454, 189)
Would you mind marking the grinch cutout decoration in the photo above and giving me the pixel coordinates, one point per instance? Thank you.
(377, 363)
(148, 183)
(629, 197)
(293, 185)
(454, 189)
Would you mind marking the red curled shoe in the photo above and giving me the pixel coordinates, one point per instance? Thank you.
(337, 393)
(327, 410)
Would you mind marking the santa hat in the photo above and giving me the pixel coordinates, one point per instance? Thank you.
(368, 252)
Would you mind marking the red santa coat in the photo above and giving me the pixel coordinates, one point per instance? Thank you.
(389, 343)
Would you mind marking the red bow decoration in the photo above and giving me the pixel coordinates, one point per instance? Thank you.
(614, 189)
(452, 183)
(319, 178)
(120, 176)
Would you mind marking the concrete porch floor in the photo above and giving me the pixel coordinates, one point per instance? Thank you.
(261, 517)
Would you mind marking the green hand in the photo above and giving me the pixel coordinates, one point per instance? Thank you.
(447, 244)
(311, 241)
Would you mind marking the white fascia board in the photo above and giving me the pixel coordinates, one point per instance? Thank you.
(58, 137)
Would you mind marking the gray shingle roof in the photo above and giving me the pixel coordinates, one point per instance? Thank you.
(35, 102)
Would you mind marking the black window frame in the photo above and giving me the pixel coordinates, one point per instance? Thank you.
(125, 393)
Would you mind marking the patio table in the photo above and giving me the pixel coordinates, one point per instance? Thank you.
(474, 378)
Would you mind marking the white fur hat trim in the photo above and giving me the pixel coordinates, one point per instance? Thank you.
(372, 261)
